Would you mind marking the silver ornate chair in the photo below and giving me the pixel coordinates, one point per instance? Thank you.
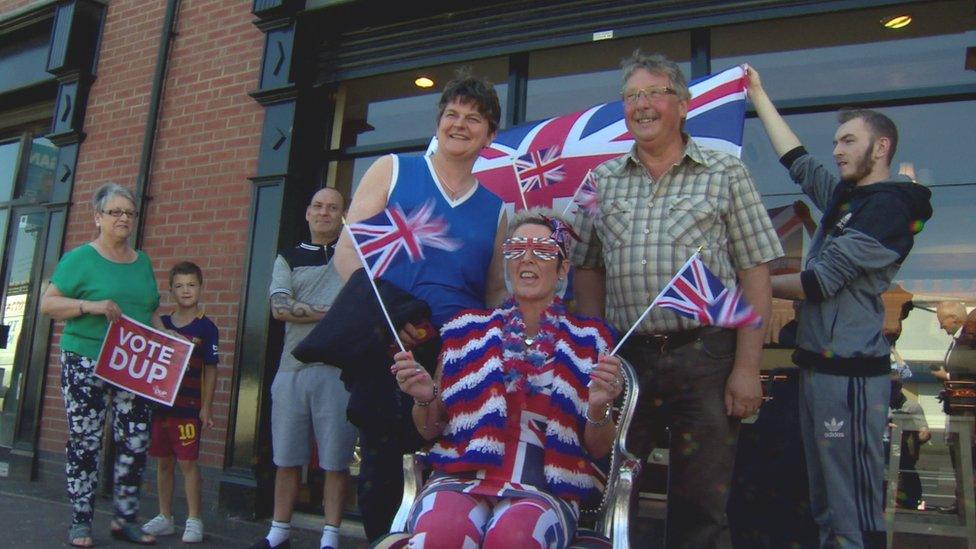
(607, 519)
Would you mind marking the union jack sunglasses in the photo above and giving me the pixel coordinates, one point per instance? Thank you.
(546, 249)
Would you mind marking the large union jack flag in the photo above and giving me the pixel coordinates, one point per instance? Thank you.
(380, 238)
(539, 169)
(716, 117)
(695, 292)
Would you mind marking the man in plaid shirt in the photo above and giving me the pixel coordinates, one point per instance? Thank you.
(657, 205)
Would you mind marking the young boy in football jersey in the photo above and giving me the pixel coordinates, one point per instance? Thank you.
(176, 429)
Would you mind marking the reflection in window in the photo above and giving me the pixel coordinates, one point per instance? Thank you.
(38, 178)
(570, 79)
(348, 173)
(390, 107)
(936, 157)
(9, 154)
(19, 267)
(857, 55)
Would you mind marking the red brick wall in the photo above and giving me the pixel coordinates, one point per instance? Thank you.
(206, 148)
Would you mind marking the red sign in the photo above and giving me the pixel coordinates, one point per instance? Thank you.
(144, 360)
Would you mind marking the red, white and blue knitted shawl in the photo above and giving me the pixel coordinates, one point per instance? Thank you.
(476, 359)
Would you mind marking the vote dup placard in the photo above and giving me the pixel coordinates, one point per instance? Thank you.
(143, 360)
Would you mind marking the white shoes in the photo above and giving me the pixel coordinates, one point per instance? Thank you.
(193, 533)
(159, 526)
(163, 526)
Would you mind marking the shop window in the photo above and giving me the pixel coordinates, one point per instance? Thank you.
(9, 155)
(853, 53)
(570, 79)
(23, 57)
(925, 151)
(38, 179)
(345, 175)
(392, 108)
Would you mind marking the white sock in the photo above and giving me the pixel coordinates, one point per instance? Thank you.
(279, 532)
(330, 536)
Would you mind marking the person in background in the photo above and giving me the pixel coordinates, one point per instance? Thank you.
(915, 433)
(94, 284)
(308, 398)
(176, 430)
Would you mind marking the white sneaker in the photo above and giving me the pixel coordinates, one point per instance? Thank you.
(159, 526)
(193, 533)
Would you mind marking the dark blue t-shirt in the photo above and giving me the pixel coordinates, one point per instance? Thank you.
(203, 333)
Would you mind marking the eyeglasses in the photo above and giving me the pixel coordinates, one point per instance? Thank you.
(652, 93)
(546, 249)
(119, 212)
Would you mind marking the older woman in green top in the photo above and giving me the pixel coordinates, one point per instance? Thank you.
(93, 285)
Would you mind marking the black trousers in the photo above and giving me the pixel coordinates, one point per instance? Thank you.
(683, 388)
(380, 487)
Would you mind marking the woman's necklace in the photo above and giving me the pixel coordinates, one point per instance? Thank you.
(453, 192)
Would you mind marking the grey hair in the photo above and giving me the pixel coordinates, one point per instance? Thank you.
(655, 63)
(107, 191)
(533, 216)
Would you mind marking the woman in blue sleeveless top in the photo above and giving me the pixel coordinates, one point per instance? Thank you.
(449, 281)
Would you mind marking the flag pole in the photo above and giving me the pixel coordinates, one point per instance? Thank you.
(578, 187)
(372, 283)
(518, 183)
(653, 303)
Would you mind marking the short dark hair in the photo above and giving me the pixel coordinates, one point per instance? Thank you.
(879, 125)
(185, 268)
(467, 88)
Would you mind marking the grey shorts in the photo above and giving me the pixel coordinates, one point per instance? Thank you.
(306, 402)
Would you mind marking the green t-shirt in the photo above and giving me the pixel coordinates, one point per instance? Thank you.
(84, 274)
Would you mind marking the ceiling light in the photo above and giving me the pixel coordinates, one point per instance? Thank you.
(896, 21)
(424, 82)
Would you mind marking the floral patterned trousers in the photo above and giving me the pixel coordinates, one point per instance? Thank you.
(86, 398)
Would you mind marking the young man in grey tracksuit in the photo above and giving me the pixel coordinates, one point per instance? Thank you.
(868, 227)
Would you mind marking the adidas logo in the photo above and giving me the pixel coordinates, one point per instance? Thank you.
(833, 428)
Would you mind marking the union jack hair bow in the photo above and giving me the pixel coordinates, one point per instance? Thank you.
(561, 233)
(381, 238)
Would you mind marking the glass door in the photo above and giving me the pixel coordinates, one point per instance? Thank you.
(27, 165)
(26, 238)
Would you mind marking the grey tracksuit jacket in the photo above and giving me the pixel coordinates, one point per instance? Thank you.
(863, 238)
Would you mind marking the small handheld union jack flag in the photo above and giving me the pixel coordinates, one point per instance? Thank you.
(695, 292)
(539, 169)
(585, 198)
(380, 238)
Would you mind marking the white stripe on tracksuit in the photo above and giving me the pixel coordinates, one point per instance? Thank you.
(842, 420)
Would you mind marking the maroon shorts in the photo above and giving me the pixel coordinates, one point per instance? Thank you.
(177, 437)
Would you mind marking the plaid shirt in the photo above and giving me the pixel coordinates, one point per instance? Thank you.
(646, 230)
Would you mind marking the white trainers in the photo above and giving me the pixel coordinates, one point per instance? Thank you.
(193, 533)
(159, 526)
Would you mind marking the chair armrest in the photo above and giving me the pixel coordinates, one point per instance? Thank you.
(413, 481)
(622, 491)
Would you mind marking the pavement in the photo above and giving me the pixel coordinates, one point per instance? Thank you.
(34, 515)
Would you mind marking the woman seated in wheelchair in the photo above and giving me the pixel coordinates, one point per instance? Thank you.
(518, 409)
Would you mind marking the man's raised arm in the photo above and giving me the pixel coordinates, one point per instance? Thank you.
(778, 131)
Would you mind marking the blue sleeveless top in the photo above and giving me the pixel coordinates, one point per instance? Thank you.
(448, 281)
